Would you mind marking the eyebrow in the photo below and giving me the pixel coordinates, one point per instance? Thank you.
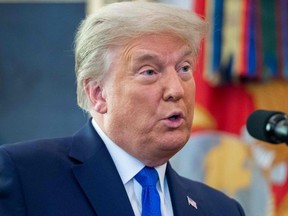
(186, 51)
(149, 55)
(146, 56)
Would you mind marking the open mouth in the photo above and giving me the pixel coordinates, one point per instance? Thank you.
(175, 117)
(174, 120)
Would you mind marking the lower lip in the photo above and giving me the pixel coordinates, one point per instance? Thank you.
(174, 123)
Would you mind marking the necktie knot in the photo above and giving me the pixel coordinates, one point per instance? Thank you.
(148, 176)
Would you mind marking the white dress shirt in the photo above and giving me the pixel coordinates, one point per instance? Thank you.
(128, 167)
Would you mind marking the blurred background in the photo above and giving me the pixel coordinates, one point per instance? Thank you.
(37, 82)
(243, 66)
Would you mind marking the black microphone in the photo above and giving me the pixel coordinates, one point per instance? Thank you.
(268, 126)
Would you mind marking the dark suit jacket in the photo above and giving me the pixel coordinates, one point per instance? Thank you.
(75, 176)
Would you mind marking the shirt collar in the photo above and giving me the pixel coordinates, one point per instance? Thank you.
(127, 165)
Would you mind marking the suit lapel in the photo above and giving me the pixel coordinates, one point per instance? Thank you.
(180, 189)
(97, 174)
(99, 179)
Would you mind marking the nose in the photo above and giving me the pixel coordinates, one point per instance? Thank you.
(173, 86)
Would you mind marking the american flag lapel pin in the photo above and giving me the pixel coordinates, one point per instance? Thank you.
(192, 202)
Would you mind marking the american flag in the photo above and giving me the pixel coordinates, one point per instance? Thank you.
(191, 202)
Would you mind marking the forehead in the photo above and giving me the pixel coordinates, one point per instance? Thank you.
(152, 45)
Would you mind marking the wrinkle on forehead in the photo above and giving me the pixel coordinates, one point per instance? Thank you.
(137, 50)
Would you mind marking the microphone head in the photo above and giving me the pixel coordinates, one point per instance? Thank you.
(258, 125)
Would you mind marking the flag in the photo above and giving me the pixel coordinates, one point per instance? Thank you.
(237, 74)
(191, 202)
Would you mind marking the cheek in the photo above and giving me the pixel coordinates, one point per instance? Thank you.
(142, 97)
(131, 102)
(190, 94)
(190, 100)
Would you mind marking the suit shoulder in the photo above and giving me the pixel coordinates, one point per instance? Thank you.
(43, 147)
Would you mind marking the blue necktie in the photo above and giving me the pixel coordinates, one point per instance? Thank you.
(148, 178)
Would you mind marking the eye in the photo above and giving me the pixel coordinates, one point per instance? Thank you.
(185, 71)
(185, 68)
(148, 72)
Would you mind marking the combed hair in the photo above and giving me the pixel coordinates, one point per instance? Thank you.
(116, 24)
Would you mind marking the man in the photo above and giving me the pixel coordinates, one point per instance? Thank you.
(134, 68)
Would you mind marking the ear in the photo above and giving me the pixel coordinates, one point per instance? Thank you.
(94, 92)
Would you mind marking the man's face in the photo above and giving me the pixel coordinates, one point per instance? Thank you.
(149, 95)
